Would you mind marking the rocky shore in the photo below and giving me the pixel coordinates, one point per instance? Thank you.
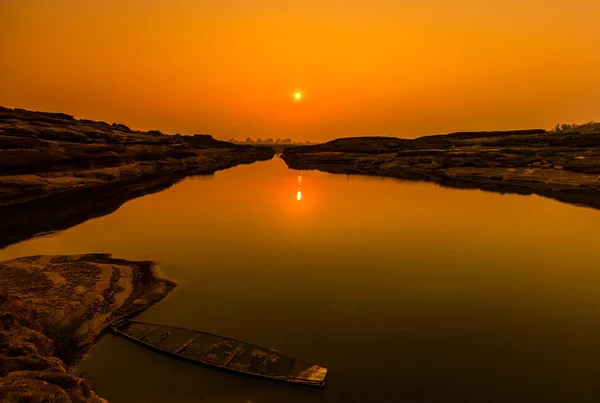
(52, 308)
(46, 154)
(56, 172)
(563, 166)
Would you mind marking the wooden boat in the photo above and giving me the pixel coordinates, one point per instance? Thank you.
(221, 352)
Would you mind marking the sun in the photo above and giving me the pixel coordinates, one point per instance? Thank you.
(298, 96)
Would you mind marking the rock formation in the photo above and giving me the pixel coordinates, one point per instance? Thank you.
(55, 172)
(47, 154)
(563, 166)
(52, 308)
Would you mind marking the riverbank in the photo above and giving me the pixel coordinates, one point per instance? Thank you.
(563, 166)
(46, 154)
(55, 172)
(56, 213)
(53, 308)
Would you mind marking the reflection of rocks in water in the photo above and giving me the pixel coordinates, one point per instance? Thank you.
(57, 171)
(579, 197)
(562, 166)
(43, 217)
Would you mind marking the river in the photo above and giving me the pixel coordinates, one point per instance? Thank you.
(405, 291)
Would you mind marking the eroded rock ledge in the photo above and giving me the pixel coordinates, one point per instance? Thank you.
(52, 308)
(563, 166)
(47, 154)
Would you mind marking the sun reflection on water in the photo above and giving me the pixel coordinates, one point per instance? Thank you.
(299, 194)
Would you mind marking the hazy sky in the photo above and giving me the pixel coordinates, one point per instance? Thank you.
(366, 67)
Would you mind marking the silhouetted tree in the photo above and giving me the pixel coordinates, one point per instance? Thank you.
(589, 127)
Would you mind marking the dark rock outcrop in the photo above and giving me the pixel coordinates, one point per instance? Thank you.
(47, 154)
(52, 308)
(563, 166)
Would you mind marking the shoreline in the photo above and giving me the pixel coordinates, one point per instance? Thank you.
(45, 154)
(49, 214)
(561, 166)
(54, 308)
(56, 172)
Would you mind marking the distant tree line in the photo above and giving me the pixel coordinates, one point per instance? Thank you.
(266, 141)
(589, 127)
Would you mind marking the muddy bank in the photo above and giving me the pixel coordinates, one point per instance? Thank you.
(49, 154)
(52, 309)
(562, 166)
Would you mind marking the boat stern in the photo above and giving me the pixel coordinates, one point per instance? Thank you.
(314, 375)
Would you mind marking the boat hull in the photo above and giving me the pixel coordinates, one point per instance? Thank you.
(221, 352)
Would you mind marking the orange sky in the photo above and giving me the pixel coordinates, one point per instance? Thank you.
(366, 67)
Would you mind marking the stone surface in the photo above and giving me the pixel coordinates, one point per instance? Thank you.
(563, 166)
(52, 308)
(45, 154)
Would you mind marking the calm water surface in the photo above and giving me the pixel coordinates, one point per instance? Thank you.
(407, 292)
